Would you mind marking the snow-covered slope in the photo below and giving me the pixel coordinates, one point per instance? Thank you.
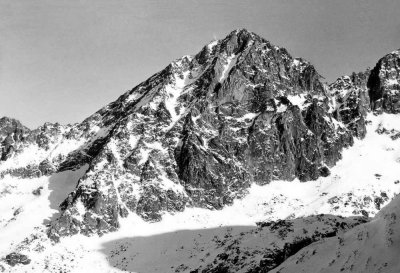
(372, 247)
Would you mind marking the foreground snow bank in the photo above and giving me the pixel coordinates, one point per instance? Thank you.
(372, 247)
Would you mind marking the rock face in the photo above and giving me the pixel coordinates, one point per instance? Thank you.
(384, 85)
(11, 131)
(17, 258)
(351, 101)
(198, 133)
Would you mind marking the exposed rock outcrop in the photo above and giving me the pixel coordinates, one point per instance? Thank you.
(17, 258)
(351, 101)
(384, 85)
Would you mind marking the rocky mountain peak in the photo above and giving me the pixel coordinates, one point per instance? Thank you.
(6, 122)
(197, 134)
(237, 40)
(383, 83)
(11, 131)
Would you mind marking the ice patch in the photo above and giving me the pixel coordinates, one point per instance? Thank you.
(248, 116)
(281, 108)
(81, 209)
(133, 141)
(296, 62)
(167, 184)
(230, 62)
(173, 91)
(391, 82)
(156, 146)
(144, 156)
(211, 45)
(298, 100)
(114, 150)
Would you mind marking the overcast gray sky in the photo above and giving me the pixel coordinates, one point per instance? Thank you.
(63, 60)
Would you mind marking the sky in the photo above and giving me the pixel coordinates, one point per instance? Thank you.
(61, 61)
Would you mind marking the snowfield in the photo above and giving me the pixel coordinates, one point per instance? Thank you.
(365, 180)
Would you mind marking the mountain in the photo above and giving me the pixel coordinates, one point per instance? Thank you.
(201, 135)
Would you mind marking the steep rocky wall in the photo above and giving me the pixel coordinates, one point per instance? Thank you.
(351, 101)
(383, 84)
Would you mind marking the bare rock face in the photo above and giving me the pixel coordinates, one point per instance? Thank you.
(11, 131)
(198, 133)
(384, 85)
(352, 101)
(17, 258)
(377, 90)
